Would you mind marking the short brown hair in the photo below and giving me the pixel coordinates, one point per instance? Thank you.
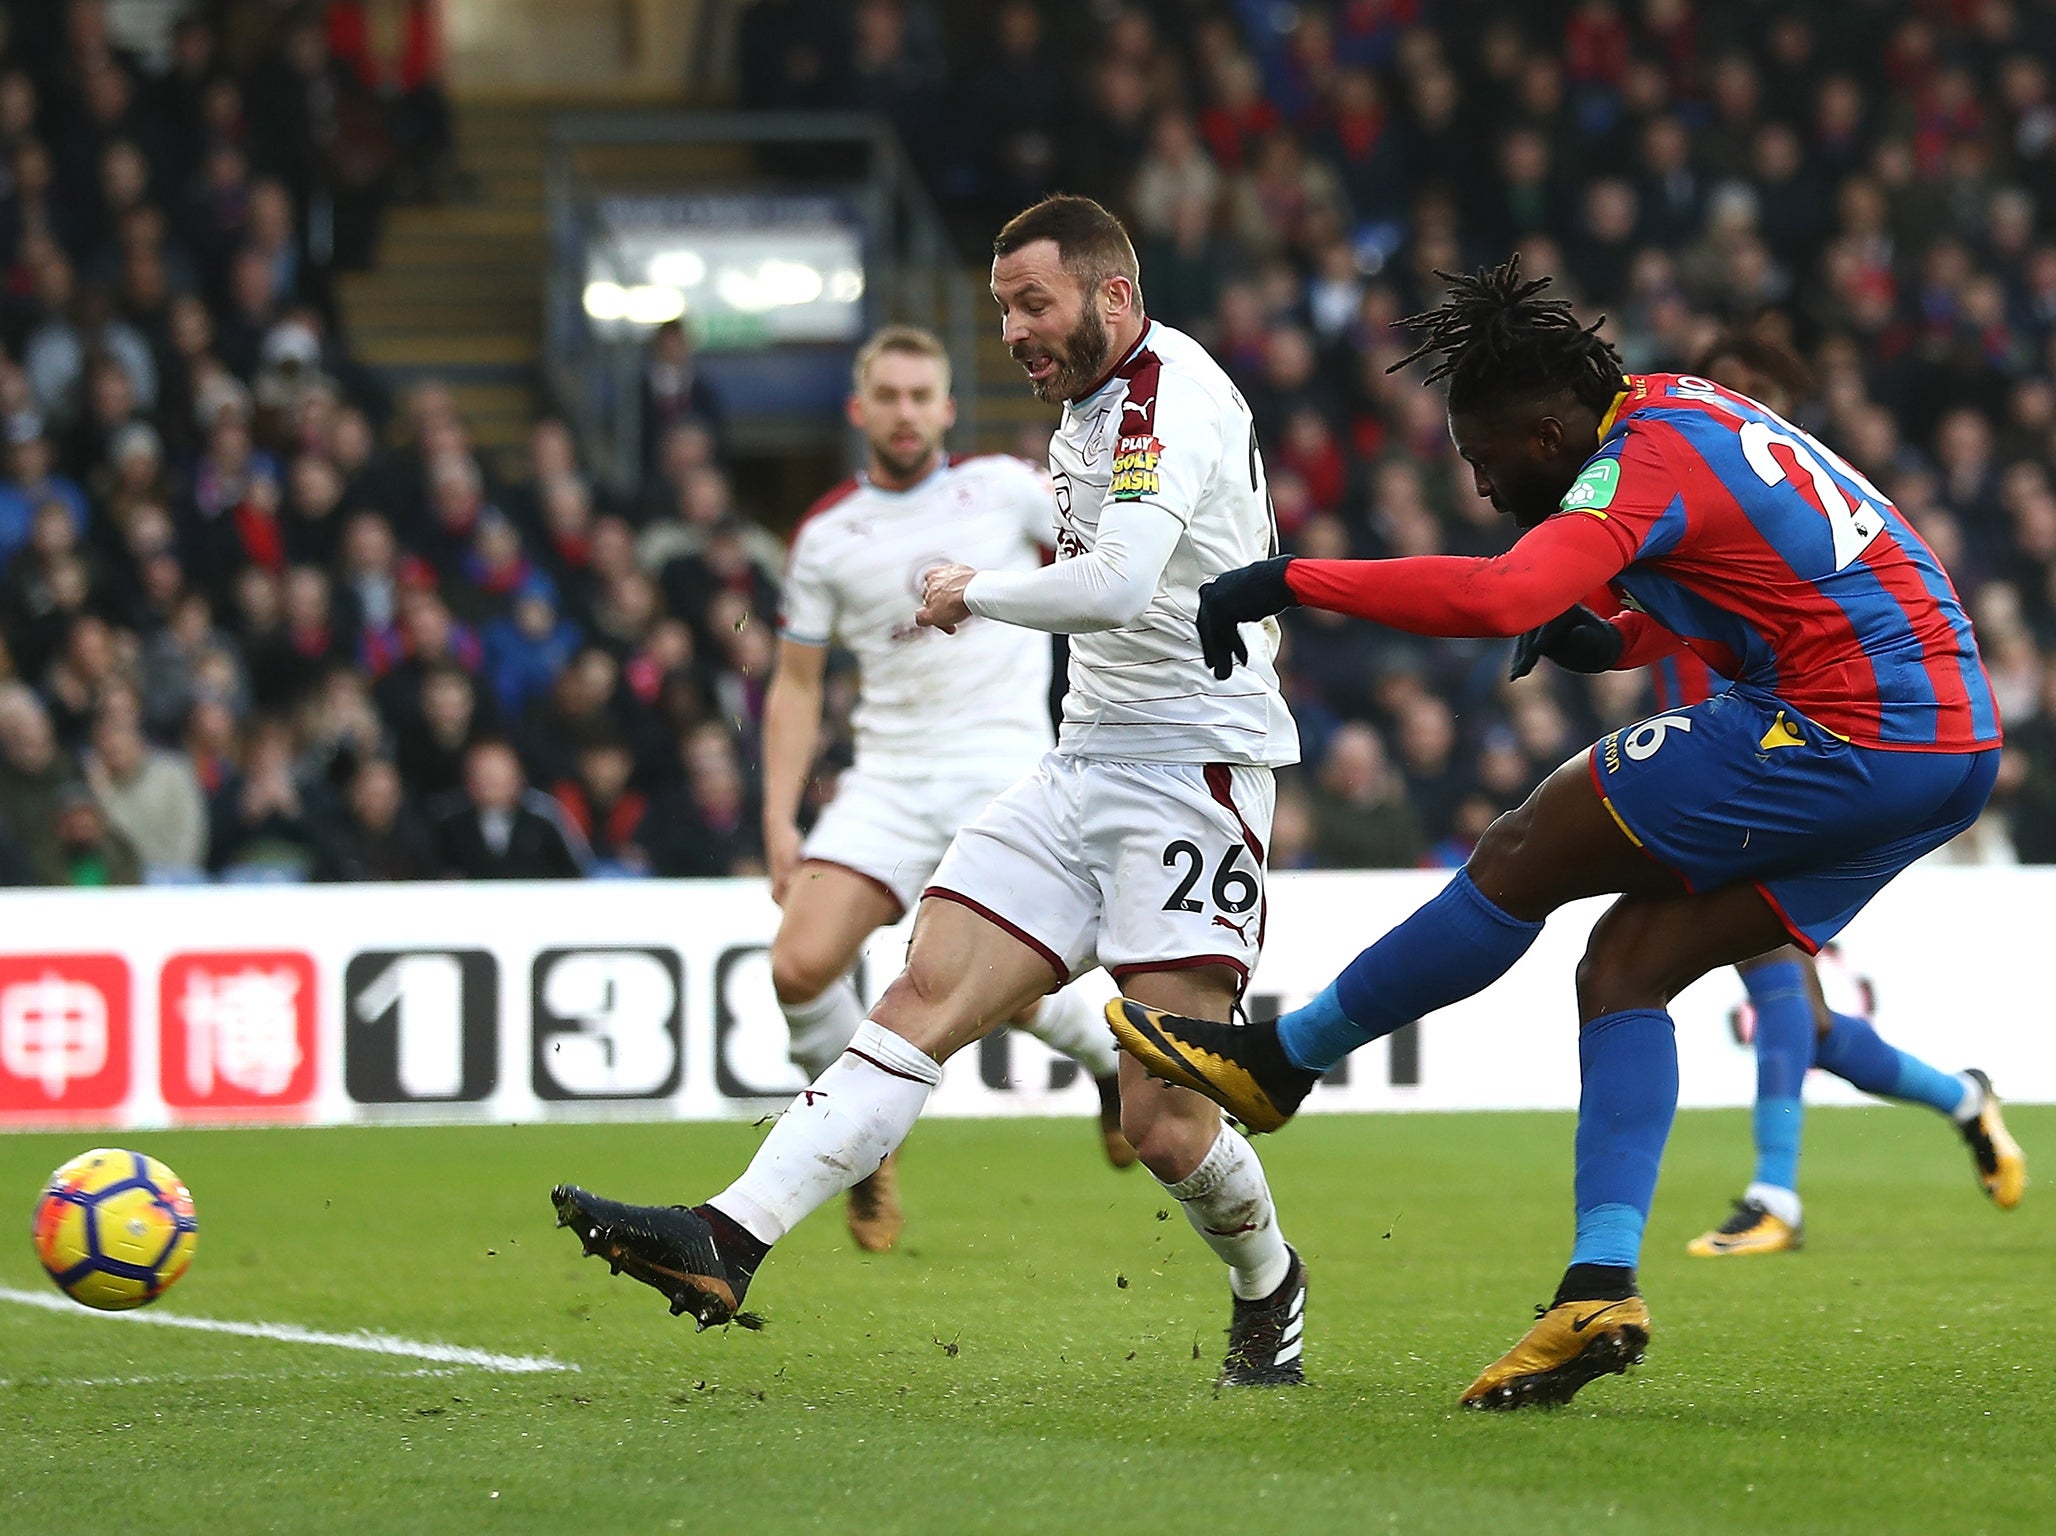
(1090, 241)
(1759, 354)
(908, 339)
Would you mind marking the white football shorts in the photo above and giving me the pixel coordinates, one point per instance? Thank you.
(893, 831)
(1134, 866)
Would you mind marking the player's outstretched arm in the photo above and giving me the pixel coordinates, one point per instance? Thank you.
(1549, 570)
(1106, 588)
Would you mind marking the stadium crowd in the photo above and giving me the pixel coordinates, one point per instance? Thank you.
(1870, 184)
(263, 622)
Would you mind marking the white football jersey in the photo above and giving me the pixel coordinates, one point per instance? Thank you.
(1169, 429)
(929, 704)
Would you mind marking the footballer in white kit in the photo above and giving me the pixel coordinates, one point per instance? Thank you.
(942, 724)
(1138, 843)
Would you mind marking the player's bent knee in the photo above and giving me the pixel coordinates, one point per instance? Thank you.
(920, 1008)
(1497, 863)
(798, 976)
(1625, 964)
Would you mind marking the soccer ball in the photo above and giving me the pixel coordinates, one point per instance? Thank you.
(115, 1229)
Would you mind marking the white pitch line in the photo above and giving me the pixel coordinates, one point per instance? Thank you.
(186, 1380)
(291, 1333)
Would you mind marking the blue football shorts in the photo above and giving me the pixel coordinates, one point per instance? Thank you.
(1742, 787)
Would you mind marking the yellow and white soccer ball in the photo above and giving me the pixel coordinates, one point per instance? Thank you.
(115, 1229)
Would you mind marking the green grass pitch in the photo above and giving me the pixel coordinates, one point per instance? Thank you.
(1039, 1355)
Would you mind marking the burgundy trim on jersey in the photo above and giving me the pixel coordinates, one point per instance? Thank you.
(899, 907)
(1144, 373)
(828, 499)
(889, 1071)
(1049, 956)
(1184, 963)
(1799, 935)
(1126, 357)
(1220, 783)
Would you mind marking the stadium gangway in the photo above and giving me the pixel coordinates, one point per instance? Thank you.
(911, 271)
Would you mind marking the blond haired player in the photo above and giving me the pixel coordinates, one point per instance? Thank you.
(1138, 844)
(942, 726)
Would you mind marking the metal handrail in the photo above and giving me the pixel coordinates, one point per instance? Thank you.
(912, 273)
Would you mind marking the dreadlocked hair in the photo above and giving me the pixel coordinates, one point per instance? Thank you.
(1498, 340)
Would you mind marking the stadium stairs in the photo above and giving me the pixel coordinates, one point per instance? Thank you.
(457, 291)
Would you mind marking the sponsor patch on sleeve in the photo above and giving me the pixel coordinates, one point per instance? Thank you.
(1135, 469)
(1594, 488)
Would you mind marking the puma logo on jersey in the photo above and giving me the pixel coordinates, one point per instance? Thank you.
(1240, 930)
(1139, 407)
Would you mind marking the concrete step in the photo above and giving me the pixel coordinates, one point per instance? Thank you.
(511, 402)
(476, 221)
(445, 284)
(478, 254)
(455, 349)
(398, 312)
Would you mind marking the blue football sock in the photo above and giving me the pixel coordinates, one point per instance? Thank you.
(1784, 1050)
(1458, 944)
(1853, 1051)
(1630, 1066)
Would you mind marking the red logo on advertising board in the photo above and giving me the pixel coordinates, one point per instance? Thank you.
(236, 1030)
(64, 1033)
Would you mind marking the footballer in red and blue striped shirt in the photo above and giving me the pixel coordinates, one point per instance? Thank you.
(1857, 734)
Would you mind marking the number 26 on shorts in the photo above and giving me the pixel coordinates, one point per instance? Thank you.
(1235, 890)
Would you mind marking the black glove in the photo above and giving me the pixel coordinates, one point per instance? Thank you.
(1578, 640)
(1244, 596)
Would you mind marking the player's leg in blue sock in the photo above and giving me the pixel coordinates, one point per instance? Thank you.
(1456, 945)
(1854, 1052)
(1784, 1050)
(1629, 1062)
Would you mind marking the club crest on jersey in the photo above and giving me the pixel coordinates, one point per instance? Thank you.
(1594, 486)
(1135, 469)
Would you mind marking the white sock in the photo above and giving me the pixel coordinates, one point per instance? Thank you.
(836, 1132)
(1973, 1103)
(1780, 1202)
(1229, 1204)
(1070, 1022)
(822, 1028)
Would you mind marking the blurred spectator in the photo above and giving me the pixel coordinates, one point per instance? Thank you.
(34, 770)
(603, 808)
(262, 829)
(673, 389)
(1361, 818)
(376, 837)
(152, 797)
(90, 852)
(528, 647)
(707, 826)
(497, 828)
(437, 733)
